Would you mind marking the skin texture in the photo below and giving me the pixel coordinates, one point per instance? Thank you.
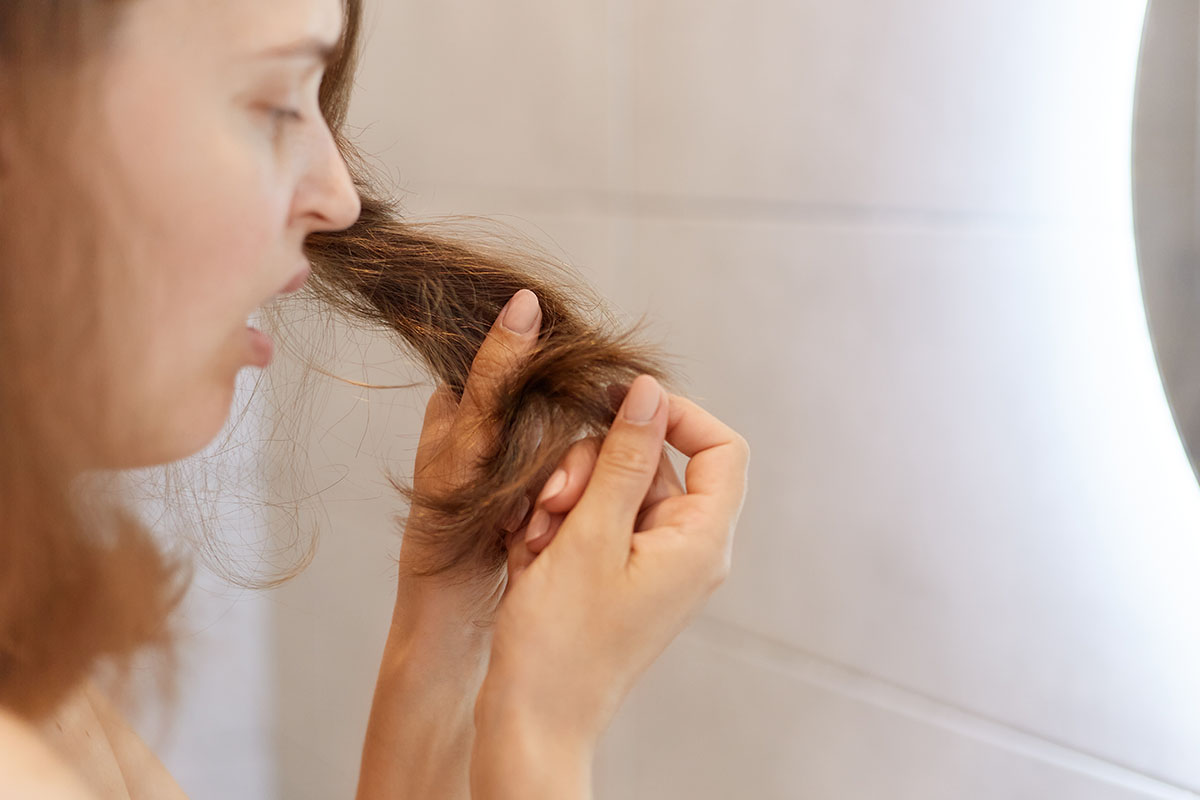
(196, 147)
(30, 766)
(90, 734)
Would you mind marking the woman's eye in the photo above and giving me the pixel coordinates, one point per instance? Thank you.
(280, 118)
(283, 115)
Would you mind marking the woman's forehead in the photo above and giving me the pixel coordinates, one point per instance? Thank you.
(243, 27)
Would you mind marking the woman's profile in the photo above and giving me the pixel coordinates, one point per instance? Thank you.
(168, 167)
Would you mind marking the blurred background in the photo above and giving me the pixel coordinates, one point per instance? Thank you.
(892, 244)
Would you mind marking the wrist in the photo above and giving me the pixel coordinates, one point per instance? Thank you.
(438, 623)
(420, 733)
(516, 755)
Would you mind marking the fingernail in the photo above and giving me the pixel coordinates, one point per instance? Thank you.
(642, 401)
(539, 523)
(514, 520)
(521, 312)
(556, 483)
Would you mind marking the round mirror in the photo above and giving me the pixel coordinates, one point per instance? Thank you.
(1166, 174)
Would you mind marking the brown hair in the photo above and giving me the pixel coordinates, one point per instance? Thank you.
(73, 591)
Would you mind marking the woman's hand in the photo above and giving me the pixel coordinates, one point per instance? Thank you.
(604, 598)
(453, 438)
(451, 441)
(562, 491)
(421, 730)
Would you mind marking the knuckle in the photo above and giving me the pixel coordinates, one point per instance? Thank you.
(587, 449)
(495, 358)
(629, 460)
(487, 368)
(709, 563)
(691, 518)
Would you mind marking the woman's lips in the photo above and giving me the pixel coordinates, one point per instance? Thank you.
(261, 347)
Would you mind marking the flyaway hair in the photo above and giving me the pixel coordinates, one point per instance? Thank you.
(78, 587)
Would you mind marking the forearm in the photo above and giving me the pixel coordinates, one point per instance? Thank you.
(421, 730)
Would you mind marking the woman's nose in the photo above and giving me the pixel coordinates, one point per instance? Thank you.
(327, 194)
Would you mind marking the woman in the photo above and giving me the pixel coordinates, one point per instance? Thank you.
(165, 167)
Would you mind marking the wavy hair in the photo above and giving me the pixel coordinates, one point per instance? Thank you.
(78, 585)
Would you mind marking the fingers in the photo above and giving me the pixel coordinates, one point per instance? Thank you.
(718, 455)
(561, 492)
(716, 477)
(578, 466)
(439, 411)
(439, 416)
(666, 482)
(514, 520)
(519, 556)
(559, 495)
(625, 469)
(511, 339)
(546, 532)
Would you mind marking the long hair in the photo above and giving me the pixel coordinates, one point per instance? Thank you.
(70, 597)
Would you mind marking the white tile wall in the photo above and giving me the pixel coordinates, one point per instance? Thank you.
(485, 94)
(928, 513)
(719, 719)
(891, 243)
(934, 107)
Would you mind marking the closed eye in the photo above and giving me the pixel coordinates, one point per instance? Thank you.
(283, 114)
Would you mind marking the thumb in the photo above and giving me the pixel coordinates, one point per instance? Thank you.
(629, 458)
(439, 411)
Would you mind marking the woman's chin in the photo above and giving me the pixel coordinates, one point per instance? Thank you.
(187, 432)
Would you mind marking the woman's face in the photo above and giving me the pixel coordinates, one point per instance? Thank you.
(224, 165)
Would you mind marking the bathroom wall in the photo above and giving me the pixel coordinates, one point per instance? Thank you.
(891, 243)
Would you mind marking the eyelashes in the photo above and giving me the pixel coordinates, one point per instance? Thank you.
(282, 115)
(288, 104)
(281, 119)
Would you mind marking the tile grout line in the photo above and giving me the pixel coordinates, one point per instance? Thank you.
(876, 691)
(639, 205)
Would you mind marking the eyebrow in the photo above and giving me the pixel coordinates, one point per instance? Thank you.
(313, 48)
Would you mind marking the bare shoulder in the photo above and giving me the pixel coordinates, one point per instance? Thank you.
(30, 768)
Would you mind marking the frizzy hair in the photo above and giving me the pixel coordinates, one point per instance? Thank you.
(438, 295)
